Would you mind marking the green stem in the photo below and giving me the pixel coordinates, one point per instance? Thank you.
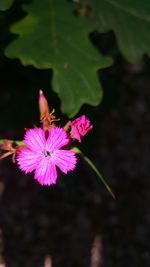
(93, 167)
(18, 143)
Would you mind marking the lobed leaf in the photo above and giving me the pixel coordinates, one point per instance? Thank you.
(51, 36)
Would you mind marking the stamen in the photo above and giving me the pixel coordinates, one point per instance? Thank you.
(47, 153)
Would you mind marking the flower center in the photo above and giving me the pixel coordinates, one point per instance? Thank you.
(47, 153)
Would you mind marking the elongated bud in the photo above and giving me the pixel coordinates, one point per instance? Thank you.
(47, 118)
(43, 105)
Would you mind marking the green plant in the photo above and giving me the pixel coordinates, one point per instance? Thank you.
(55, 35)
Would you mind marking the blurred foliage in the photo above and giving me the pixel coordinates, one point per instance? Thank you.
(130, 21)
(56, 35)
(5, 4)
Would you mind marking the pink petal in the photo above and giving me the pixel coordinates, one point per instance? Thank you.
(57, 138)
(80, 127)
(27, 160)
(46, 172)
(65, 160)
(75, 134)
(35, 139)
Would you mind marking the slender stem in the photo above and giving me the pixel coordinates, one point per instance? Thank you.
(93, 167)
(18, 143)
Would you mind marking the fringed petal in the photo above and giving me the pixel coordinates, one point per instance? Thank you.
(57, 138)
(46, 173)
(35, 139)
(27, 160)
(65, 160)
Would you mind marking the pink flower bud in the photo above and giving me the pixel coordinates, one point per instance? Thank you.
(80, 127)
(43, 105)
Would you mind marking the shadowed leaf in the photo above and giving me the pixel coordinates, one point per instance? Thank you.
(51, 36)
(5, 4)
(130, 21)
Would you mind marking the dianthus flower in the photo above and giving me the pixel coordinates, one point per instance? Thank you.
(43, 154)
(80, 127)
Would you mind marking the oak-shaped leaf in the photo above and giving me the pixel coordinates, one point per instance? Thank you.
(52, 36)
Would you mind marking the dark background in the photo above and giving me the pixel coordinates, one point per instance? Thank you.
(77, 216)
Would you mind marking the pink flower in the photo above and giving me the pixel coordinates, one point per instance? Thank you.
(80, 127)
(43, 155)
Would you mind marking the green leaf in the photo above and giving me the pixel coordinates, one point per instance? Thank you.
(5, 4)
(130, 21)
(51, 36)
(93, 167)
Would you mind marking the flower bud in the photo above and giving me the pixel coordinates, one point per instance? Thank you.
(80, 127)
(43, 105)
